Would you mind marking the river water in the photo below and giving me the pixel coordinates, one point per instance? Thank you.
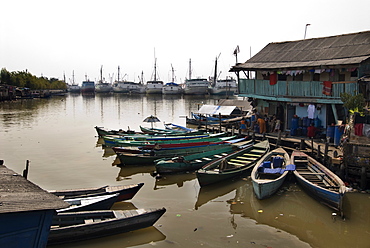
(57, 135)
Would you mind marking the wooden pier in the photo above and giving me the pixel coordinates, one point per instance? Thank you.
(26, 211)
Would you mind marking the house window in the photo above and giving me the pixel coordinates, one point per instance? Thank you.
(316, 77)
(342, 77)
(282, 77)
(354, 73)
(298, 77)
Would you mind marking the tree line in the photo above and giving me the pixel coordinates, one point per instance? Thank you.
(24, 79)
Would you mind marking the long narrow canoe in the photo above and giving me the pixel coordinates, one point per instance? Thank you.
(270, 172)
(320, 182)
(126, 192)
(78, 226)
(232, 165)
(158, 131)
(114, 141)
(194, 161)
(101, 131)
(127, 158)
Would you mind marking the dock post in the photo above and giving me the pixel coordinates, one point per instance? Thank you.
(326, 150)
(312, 147)
(253, 136)
(301, 145)
(25, 171)
(318, 155)
(232, 131)
(278, 141)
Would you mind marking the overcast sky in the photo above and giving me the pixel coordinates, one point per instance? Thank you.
(52, 38)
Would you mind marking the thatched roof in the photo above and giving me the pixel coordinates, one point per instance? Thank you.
(343, 50)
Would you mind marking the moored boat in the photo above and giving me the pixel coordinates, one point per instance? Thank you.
(232, 165)
(320, 182)
(225, 87)
(126, 192)
(270, 172)
(90, 203)
(78, 226)
(198, 160)
(88, 87)
(149, 156)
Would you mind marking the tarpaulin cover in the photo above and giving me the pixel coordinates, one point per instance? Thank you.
(215, 110)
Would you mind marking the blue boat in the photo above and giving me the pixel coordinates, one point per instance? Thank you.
(320, 182)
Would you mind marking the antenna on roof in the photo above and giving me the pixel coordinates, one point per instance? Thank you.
(305, 30)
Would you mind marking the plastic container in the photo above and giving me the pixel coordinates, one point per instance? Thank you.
(330, 132)
(294, 123)
(317, 122)
(277, 162)
(293, 131)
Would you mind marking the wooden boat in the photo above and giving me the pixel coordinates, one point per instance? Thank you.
(149, 156)
(195, 161)
(168, 131)
(232, 165)
(114, 141)
(270, 172)
(101, 131)
(90, 203)
(318, 181)
(126, 192)
(78, 226)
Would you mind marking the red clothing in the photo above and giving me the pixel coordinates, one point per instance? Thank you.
(311, 131)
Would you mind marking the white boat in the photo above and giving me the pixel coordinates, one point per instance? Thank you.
(74, 88)
(197, 86)
(103, 87)
(172, 88)
(226, 87)
(270, 172)
(155, 86)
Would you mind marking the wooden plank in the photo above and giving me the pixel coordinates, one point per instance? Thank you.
(251, 155)
(245, 158)
(236, 164)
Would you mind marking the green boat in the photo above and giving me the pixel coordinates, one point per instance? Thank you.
(112, 141)
(232, 165)
(127, 158)
(196, 161)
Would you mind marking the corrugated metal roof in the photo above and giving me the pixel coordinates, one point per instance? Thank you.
(344, 49)
(215, 110)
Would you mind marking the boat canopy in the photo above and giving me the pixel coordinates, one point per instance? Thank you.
(216, 110)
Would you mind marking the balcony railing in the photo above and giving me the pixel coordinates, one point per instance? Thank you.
(294, 89)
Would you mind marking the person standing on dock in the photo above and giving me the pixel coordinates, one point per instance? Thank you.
(243, 126)
(262, 125)
(311, 131)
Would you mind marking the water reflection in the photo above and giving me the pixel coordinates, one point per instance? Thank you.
(295, 212)
(214, 191)
(173, 179)
(127, 171)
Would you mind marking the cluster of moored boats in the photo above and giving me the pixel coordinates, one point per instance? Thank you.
(89, 215)
(218, 157)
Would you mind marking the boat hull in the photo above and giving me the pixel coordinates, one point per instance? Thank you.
(268, 176)
(307, 174)
(126, 192)
(213, 172)
(118, 221)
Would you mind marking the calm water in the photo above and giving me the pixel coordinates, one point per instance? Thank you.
(57, 135)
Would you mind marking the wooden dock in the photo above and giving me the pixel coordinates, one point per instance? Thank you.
(26, 211)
